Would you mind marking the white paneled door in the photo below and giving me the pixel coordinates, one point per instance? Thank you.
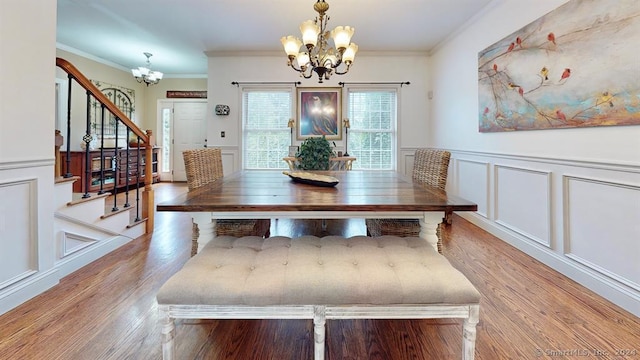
(189, 130)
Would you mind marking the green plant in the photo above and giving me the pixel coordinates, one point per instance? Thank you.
(314, 154)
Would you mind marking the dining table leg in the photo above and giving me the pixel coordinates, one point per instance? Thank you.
(206, 228)
(429, 227)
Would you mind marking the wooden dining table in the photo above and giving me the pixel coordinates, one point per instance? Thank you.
(269, 194)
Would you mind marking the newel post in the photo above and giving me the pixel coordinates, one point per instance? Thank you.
(148, 207)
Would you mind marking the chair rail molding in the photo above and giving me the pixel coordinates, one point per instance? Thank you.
(622, 166)
(578, 216)
(26, 163)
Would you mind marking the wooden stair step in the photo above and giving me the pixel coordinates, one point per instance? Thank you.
(78, 199)
(111, 212)
(61, 179)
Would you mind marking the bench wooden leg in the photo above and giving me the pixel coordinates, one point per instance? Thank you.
(319, 331)
(168, 335)
(469, 333)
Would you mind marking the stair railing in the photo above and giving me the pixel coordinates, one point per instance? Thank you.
(143, 140)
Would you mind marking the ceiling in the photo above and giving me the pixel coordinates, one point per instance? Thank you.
(178, 33)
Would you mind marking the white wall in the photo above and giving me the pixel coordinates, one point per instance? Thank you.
(27, 116)
(374, 67)
(570, 198)
(27, 121)
(455, 83)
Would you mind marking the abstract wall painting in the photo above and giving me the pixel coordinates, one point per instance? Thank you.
(319, 113)
(577, 66)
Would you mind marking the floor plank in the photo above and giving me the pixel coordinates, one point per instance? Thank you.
(107, 309)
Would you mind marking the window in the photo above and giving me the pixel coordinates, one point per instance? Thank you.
(266, 135)
(166, 140)
(372, 136)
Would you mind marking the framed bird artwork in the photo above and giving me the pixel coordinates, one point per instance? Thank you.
(576, 66)
(319, 113)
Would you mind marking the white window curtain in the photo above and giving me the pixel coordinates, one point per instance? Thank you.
(372, 137)
(266, 137)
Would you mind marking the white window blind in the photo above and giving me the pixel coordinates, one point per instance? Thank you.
(266, 135)
(372, 135)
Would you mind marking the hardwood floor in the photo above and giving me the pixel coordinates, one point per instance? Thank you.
(107, 310)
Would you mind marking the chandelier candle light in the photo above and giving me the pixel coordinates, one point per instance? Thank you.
(316, 55)
(145, 74)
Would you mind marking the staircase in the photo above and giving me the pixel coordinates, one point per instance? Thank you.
(86, 229)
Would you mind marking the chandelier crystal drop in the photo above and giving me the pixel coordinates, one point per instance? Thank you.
(144, 74)
(316, 55)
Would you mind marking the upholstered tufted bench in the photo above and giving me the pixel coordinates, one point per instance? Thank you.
(318, 278)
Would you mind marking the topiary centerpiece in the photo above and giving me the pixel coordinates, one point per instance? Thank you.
(314, 154)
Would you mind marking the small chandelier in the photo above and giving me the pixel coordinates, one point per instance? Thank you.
(145, 74)
(317, 56)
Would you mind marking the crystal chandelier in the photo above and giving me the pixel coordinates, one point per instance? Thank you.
(316, 55)
(145, 74)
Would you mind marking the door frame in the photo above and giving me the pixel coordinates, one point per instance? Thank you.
(168, 104)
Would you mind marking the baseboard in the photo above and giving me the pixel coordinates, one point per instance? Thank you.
(616, 293)
(27, 289)
(87, 255)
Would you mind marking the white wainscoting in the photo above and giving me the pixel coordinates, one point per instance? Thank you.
(231, 162)
(522, 202)
(19, 228)
(405, 165)
(592, 212)
(27, 250)
(581, 218)
(72, 243)
(475, 190)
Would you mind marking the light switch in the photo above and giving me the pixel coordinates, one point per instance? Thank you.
(222, 134)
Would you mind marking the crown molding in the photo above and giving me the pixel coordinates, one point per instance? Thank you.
(120, 67)
(240, 53)
(472, 20)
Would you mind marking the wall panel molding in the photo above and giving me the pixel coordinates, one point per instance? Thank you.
(476, 177)
(519, 205)
(582, 220)
(405, 166)
(72, 243)
(230, 160)
(591, 211)
(19, 251)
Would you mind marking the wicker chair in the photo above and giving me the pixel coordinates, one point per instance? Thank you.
(204, 166)
(430, 167)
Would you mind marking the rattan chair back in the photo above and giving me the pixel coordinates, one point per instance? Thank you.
(202, 166)
(431, 167)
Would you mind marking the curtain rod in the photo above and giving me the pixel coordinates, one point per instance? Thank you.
(375, 83)
(238, 83)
